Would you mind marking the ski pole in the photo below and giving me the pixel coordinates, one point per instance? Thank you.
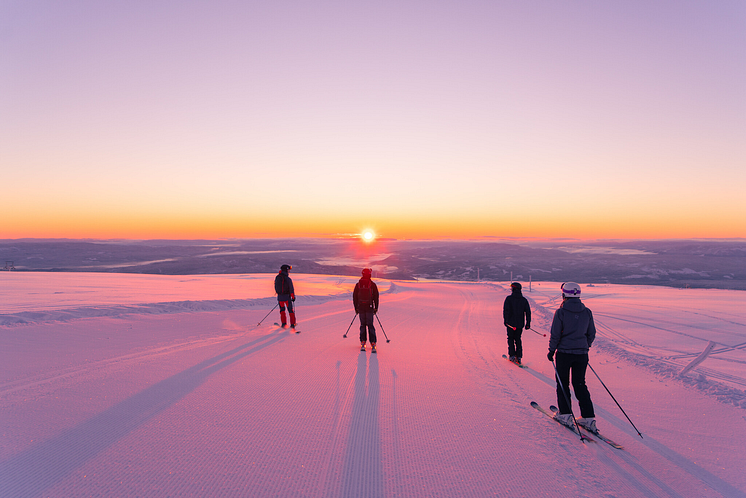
(379, 323)
(532, 330)
(348, 328)
(567, 398)
(270, 311)
(615, 401)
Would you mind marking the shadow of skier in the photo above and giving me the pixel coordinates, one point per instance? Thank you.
(34, 470)
(362, 474)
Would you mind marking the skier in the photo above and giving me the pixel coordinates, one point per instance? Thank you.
(516, 314)
(285, 295)
(365, 300)
(573, 332)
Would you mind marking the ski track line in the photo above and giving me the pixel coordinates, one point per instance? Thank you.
(676, 310)
(644, 324)
(653, 353)
(467, 347)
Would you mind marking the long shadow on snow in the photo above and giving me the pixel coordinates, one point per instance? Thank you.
(32, 471)
(362, 462)
(682, 462)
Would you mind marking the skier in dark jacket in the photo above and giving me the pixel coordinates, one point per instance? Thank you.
(573, 332)
(285, 295)
(516, 315)
(365, 300)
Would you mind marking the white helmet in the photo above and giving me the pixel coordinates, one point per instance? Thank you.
(570, 289)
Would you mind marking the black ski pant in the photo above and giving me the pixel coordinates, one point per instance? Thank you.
(366, 325)
(577, 364)
(515, 344)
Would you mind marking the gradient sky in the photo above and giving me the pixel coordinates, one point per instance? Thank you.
(419, 119)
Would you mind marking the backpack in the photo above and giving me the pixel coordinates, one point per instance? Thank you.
(281, 286)
(365, 291)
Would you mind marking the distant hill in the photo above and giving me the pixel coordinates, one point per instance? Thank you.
(676, 263)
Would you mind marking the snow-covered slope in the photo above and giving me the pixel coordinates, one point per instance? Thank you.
(133, 385)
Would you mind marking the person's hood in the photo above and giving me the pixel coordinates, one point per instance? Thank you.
(573, 304)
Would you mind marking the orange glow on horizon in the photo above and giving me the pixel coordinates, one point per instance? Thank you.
(102, 225)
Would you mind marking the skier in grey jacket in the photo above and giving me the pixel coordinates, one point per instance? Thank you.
(572, 334)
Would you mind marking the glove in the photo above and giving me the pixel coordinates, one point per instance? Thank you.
(528, 327)
(292, 296)
(356, 311)
(375, 311)
(550, 356)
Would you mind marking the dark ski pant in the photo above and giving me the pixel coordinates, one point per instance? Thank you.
(515, 344)
(289, 305)
(366, 322)
(577, 364)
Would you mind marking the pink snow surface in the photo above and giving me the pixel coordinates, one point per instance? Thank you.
(137, 385)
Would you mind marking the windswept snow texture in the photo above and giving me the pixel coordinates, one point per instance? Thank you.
(142, 385)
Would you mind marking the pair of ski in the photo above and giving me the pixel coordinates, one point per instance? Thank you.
(285, 326)
(514, 363)
(574, 429)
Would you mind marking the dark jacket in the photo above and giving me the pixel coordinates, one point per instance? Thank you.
(362, 305)
(573, 330)
(284, 286)
(516, 311)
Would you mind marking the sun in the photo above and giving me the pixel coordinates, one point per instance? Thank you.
(368, 235)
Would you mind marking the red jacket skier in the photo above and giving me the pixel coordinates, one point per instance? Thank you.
(365, 300)
(285, 295)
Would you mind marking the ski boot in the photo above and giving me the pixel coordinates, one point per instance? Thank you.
(588, 423)
(362, 346)
(565, 419)
(372, 347)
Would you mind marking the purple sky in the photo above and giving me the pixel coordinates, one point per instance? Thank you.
(449, 118)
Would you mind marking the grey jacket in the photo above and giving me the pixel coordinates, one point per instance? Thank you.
(573, 330)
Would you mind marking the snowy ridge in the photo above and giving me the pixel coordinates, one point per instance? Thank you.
(64, 315)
